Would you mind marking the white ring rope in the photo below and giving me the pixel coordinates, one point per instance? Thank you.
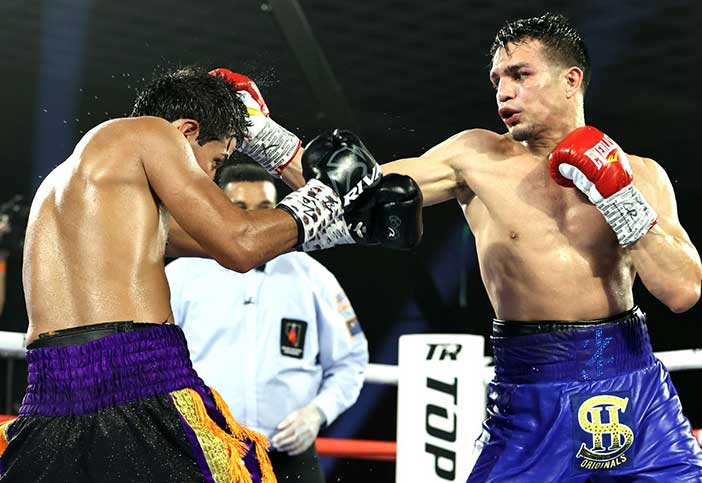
(12, 345)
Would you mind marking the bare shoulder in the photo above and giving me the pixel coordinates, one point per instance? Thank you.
(651, 179)
(647, 170)
(471, 140)
(467, 147)
(146, 127)
(130, 138)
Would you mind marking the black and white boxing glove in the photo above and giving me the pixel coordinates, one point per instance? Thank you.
(339, 171)
(341, 161)
(390, 217)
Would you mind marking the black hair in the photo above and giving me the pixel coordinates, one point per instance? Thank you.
(242, 171)
(193, 93)
(561, 41)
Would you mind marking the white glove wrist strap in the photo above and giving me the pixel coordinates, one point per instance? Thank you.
(336, 233)
(273, 146)
(314, 206)
(628, 213)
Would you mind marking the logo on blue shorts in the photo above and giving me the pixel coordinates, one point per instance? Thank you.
(603, 431)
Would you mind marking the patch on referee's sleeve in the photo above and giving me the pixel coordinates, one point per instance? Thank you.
(344, 306)
(354, 326)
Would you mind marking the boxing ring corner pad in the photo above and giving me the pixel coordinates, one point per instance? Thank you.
(438, 415)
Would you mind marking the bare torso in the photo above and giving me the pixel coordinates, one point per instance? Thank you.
(95, 241)
(545, 252)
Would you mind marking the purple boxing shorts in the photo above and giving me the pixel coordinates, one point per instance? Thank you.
(120, 402)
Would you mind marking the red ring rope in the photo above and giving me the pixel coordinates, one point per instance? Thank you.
(357, 448)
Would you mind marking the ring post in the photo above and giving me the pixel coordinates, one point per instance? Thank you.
(440, 407)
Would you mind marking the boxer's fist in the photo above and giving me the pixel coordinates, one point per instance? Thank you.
(247, 90)
(391, 217)
(591, 161)
(395, 218)
(268, 143)
(341, 161)
(314, 207)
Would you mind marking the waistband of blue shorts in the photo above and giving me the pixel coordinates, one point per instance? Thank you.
(73, 372)
(567, 351)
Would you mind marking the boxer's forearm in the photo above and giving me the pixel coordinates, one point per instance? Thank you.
(267, 234)
(180, 244)
(669, 266)
(292, 174)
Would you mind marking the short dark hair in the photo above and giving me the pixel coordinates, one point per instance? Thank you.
(192, 93)
(242, 171)
(561, 41)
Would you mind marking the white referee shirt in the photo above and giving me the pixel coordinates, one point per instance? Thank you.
(270, 341)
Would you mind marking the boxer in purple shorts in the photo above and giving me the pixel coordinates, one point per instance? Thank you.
(112, 395)
(120, 401)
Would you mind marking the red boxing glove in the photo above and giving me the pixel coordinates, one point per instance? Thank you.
(267, 142)
(240, 82)
(591, 161)
(599, 159)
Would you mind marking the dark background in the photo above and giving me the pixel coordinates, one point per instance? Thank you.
(406, 74)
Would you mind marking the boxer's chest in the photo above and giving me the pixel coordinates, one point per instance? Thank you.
(518, 202)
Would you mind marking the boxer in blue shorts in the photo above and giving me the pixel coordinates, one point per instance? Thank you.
(564, 221)
(582, 401)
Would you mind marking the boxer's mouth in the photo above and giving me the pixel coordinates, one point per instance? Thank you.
(509, 116)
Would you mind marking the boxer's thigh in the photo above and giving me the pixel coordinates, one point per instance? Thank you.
(527, 436)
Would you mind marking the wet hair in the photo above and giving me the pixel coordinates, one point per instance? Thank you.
(192, 93)
(242, 172)
(562, 43)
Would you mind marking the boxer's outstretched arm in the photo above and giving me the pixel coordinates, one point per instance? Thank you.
(665, 258)
(292, 174)
(236, 238)
(438, 171)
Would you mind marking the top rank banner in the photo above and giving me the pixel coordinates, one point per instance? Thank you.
(441, 406)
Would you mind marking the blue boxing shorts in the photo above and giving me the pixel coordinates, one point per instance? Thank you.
(582, 402)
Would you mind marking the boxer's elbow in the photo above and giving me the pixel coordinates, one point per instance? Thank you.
(239, 266)
(235, 260)
(237, 255)
(242, 253)
(683, 298)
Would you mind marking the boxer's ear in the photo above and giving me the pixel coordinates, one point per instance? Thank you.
(189, 127)
(573, 81)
